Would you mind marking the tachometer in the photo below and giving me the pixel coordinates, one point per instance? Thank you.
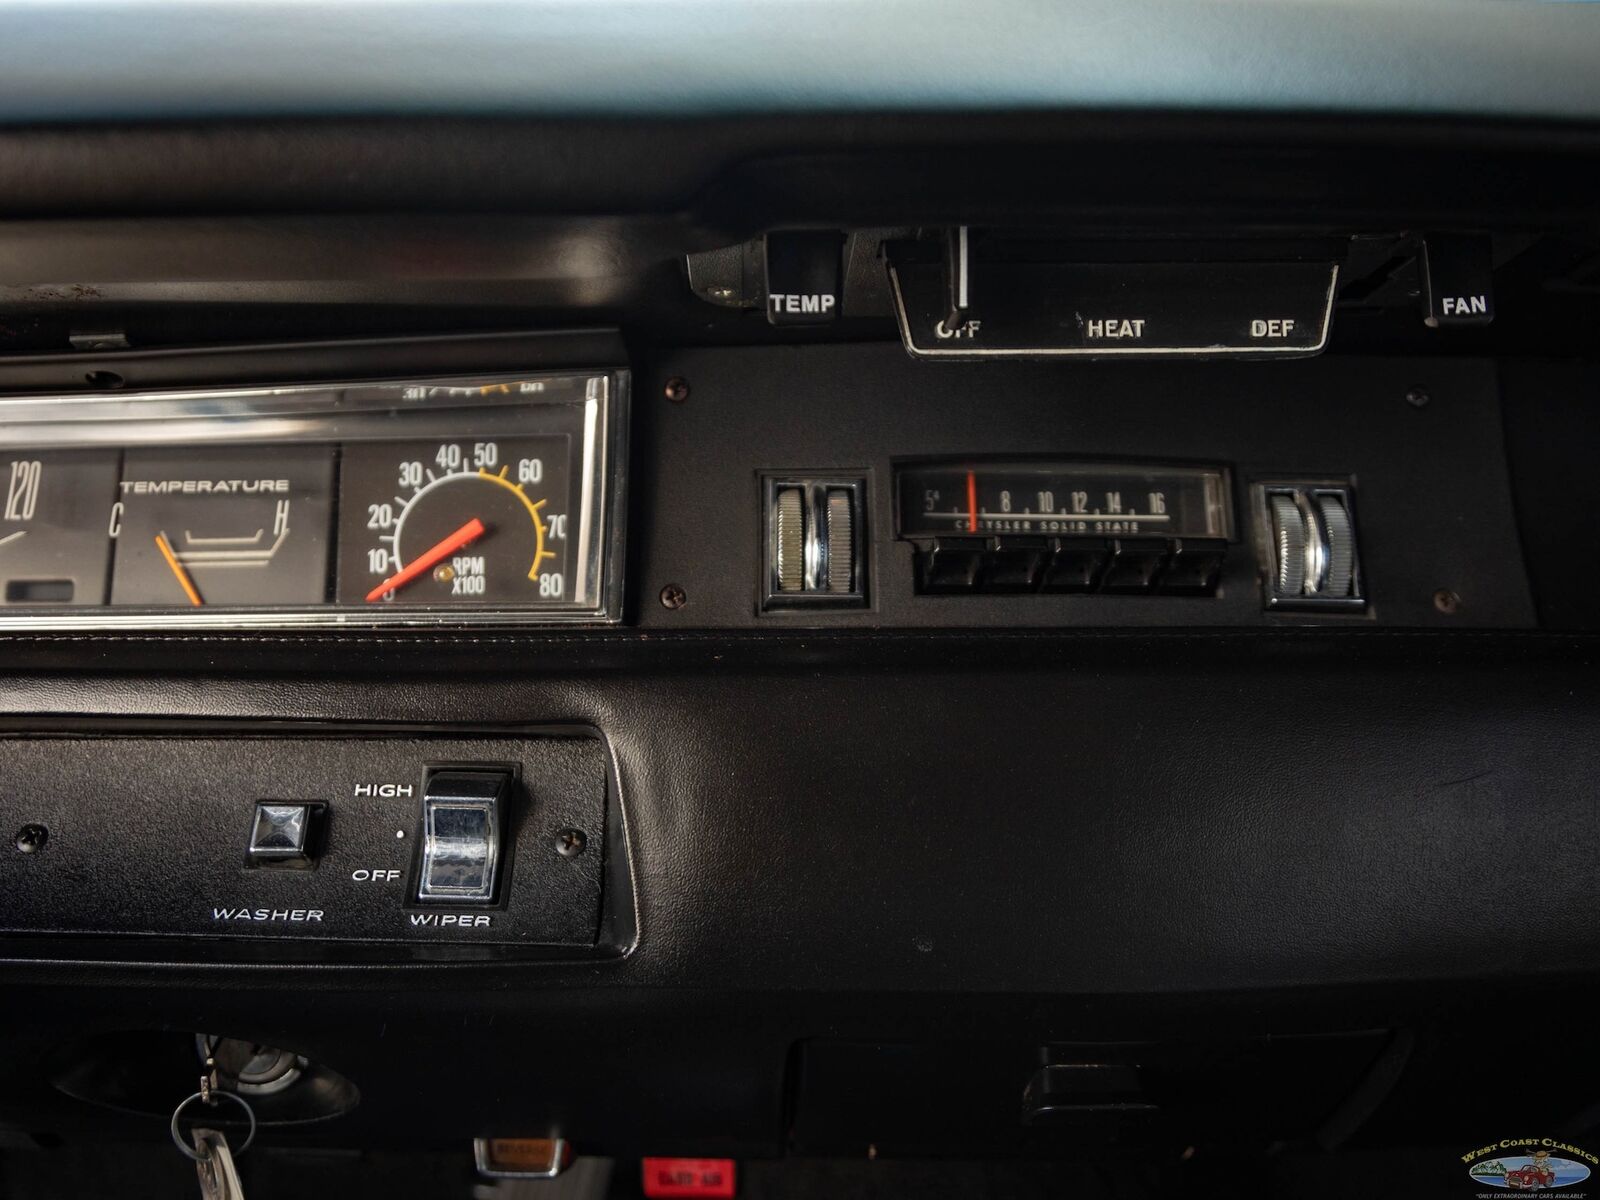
(456, 522)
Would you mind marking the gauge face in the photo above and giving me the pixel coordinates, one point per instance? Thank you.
(54, 547)
(456, 523)
(234, 526)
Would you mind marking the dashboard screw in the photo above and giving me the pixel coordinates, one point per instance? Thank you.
(673, 597)
(677, 389)
(1418, 398)
(31, 838)
(570, 843)
(1446, 601)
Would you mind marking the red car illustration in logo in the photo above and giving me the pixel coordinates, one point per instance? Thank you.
(1531, 1176)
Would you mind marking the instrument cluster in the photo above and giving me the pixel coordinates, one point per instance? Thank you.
(458, 501)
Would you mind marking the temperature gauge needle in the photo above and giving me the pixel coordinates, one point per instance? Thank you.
(471, 530)
(184, 581)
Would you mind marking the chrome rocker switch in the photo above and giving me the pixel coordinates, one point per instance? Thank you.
(461, 839)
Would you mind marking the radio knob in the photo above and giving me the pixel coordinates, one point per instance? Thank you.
(1309, 546)
(1290, 540)
(841, 543)
(814, 552)
(1339, 571)
(789, 540)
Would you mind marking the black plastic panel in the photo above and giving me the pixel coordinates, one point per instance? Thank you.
(931, 1098)
(1433, 499)
(148, 835)
(1552, 437)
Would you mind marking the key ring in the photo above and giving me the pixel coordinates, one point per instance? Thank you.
(177, 1115)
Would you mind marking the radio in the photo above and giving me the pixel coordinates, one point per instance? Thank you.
(1065, 527)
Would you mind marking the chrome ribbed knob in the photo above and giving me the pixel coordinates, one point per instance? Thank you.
(815, 546)
(1311, 556)
(1291, 540)
(841, 543)
(789, 540)
(1339, 572)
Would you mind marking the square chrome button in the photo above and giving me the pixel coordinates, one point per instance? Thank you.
(280, 833)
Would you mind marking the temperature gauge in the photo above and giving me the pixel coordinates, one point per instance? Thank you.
(223, 526)
(457, 522)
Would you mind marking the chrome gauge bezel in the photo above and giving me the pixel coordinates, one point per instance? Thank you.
(346, 412)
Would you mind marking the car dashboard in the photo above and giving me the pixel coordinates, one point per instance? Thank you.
(696, 599)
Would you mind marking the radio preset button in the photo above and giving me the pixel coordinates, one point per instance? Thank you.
(1193, 568)
(1134, 566)
(1015, 564)
(1076, 566)
(952, 564)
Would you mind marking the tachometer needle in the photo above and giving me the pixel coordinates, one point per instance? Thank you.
(184, 581)
(471, 530)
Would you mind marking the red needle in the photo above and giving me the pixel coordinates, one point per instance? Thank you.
(472, 529)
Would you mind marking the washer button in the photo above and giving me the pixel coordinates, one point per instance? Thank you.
(280, 834)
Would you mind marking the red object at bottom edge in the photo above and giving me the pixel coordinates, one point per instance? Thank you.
(666, 1178)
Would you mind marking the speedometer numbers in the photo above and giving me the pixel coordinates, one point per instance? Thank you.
(54, 548)
(457, 522)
